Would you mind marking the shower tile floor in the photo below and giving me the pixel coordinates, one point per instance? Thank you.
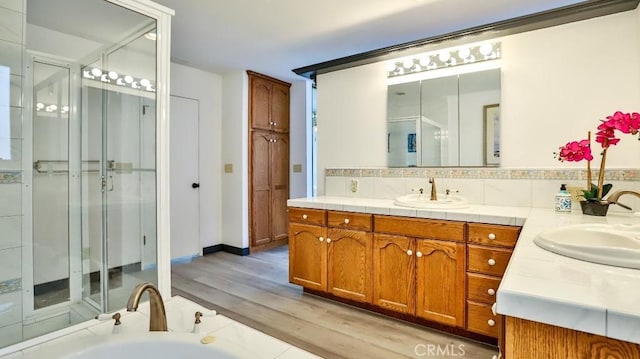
(230, 335)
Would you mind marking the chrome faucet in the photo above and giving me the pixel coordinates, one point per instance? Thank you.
(158, 317)
(434, 195)
(613, 198)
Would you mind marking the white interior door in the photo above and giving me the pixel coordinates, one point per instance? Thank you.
(185, 203)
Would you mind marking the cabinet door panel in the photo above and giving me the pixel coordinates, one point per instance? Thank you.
(259, 103)
(279, 185)
(349, 264)
(260, 193)
(308, 256)
(440, 281)
(394, 273)
(280, 108)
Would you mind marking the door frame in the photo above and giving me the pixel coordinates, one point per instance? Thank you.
(75, 235)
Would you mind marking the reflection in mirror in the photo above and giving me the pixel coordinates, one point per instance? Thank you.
(449, 120)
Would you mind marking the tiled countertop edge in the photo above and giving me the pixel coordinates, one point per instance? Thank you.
(513, 216)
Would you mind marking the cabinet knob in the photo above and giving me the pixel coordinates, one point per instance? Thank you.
(409, 252)
(491, 322)
(491, 291)
(346, 221)
(328, 240)
(491, 262)
(418, 254)
(304, 216)
(491, 236)
(321, 239)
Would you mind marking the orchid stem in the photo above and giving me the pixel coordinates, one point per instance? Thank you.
(601, 174)
(589, 165)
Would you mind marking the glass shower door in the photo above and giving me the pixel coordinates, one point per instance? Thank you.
(119, 242)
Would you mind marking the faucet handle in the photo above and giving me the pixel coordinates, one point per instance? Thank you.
(198, 316)
(449, 191)
(421, 190)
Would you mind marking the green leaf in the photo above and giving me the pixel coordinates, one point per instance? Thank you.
(606, 188)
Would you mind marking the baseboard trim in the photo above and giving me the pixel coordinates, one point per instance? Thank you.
(225, 248)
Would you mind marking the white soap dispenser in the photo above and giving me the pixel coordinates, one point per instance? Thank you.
(563, 200)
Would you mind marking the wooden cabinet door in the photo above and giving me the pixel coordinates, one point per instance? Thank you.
(308, 256)
(349, 264)
(280, 108)
(440, 283)
(279, 185)
(259, 103)
(394, 272)
(261, 232)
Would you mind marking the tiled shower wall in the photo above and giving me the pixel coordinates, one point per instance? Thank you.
(485, 186)
(12, 18)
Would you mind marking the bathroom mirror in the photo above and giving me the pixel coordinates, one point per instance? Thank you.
(445, 120)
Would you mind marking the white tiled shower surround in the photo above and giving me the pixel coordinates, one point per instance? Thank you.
(11, 63)
(485, 186)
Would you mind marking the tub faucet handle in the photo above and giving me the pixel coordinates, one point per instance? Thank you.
(198, 316)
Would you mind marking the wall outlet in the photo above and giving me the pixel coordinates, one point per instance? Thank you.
(354, 185)
(576, 193)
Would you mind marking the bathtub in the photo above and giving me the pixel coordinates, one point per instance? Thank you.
(146, 345)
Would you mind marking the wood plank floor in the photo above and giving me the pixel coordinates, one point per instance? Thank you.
(254, 290)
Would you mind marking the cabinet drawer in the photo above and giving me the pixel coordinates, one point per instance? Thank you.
(482, 288)
(493, 235)
(422, 228)
(480, 319)
(349, 220)
(488, 260)
(308, 216)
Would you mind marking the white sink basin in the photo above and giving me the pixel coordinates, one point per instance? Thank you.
(615, 245)
(423, 201)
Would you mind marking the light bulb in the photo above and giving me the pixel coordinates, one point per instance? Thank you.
(390, 66)
(96, 72)
(65, 108)
(407, 63)
(113, 75)
(444, 56)
(39, 105)
(145, 82)
(464, 53)
(486, 49)
(425, 61)
(128, 79)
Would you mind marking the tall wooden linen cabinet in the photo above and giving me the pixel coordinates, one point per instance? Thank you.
(269, 161)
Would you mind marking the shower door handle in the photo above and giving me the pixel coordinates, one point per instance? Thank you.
(111, 178)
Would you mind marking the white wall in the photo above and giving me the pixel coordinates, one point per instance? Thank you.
(556, 84)
(300, 138)
(235, 203)
(207, 88)
(352, 111)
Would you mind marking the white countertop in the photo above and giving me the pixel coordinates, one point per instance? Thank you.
(538, 285)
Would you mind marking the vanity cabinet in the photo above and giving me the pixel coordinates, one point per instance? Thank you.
(489, 249)
(431, 255)
(269, 161)
(427, 271)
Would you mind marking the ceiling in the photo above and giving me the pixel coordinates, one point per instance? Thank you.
(275, 36)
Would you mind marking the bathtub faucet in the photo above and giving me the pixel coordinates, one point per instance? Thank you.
(158, 317)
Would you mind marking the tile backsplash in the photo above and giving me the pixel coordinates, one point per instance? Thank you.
(486, 186)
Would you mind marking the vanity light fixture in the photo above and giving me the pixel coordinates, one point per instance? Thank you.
(112, 77)
(444, 58)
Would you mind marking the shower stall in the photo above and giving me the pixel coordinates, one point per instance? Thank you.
(85, 144)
